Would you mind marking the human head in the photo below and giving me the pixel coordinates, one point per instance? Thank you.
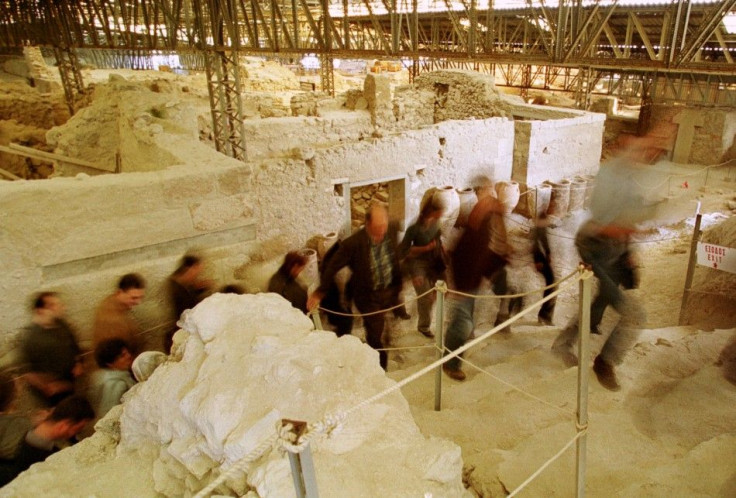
(376, 222)
(189, 266)
(430, 212)
(131, 290)
(69, 417)
(483, 187)
(232, 289)
(113, 354)
(8, 391)
(294, 263)
(47, 306)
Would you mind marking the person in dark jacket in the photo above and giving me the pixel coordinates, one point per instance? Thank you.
(470, 262)
(543, 264)
(49, 351)
(186, 289)
(373, 256)
(284, 281)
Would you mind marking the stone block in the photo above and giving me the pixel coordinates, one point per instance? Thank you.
(185, 188)
(218, 213)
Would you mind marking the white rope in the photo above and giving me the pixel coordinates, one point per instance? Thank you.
(547, 463)
(285, 439)
(585, 274)
(241, 465)
(518, 389)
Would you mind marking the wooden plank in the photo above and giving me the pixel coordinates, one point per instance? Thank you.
(29, 151)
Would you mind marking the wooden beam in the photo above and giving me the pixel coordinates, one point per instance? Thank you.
(51, 156)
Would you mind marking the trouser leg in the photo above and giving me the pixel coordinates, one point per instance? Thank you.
(626, 333)
(460, 327)
(547, 311)
(423, 284)
(374, 325)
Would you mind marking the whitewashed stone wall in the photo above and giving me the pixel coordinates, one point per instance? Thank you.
(552, 144)
(78, 235)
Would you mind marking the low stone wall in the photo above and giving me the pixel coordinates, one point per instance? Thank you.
(78, 235)
(556, 144)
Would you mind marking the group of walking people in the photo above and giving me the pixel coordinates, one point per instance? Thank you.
(61, 387)
(378, 261)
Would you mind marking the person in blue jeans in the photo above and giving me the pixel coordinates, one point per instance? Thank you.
(470, 262)
(603, 243)
(422, 247)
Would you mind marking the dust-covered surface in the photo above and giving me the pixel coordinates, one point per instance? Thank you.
(669, 431)
(243, 364)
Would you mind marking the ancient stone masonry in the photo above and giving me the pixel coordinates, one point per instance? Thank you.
(254, 211)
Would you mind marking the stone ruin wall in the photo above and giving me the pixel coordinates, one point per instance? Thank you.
(78, 235)
(555, 148)
(714, 137)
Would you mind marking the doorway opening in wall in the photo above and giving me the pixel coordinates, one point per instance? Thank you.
(389, 191)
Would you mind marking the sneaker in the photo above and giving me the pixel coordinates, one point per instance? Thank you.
(606, 374)
(427, 333)
(453, 373)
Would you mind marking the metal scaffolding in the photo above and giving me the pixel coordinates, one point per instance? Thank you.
(540, 45)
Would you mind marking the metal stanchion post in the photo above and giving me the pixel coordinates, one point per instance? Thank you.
(439, 321)
(690, 266)
(316, 320)
(302, 465)
(583, 374)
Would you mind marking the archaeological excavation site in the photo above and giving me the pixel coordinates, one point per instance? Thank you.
(147, 137)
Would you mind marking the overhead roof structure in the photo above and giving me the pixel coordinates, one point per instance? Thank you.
(655, 34)
(666, 50)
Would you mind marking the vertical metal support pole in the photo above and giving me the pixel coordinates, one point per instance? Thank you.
(690, 266)
(583, 374)
(439, 326)
(316, 320)
(302, 466)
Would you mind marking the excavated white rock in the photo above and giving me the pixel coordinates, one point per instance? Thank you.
(246, 362)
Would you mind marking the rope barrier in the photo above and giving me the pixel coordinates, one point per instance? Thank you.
(241, 465)
(672, 175)
(460, 350)
(521, 391)
(547, 463)
(408, 348)
(450, 291)
(379, 311)
(521, 294)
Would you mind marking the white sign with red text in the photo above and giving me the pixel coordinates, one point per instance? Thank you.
(717, 257)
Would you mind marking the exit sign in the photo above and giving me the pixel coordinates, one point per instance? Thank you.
(717, 257)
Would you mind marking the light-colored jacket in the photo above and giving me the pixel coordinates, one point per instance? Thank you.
(107, 387)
